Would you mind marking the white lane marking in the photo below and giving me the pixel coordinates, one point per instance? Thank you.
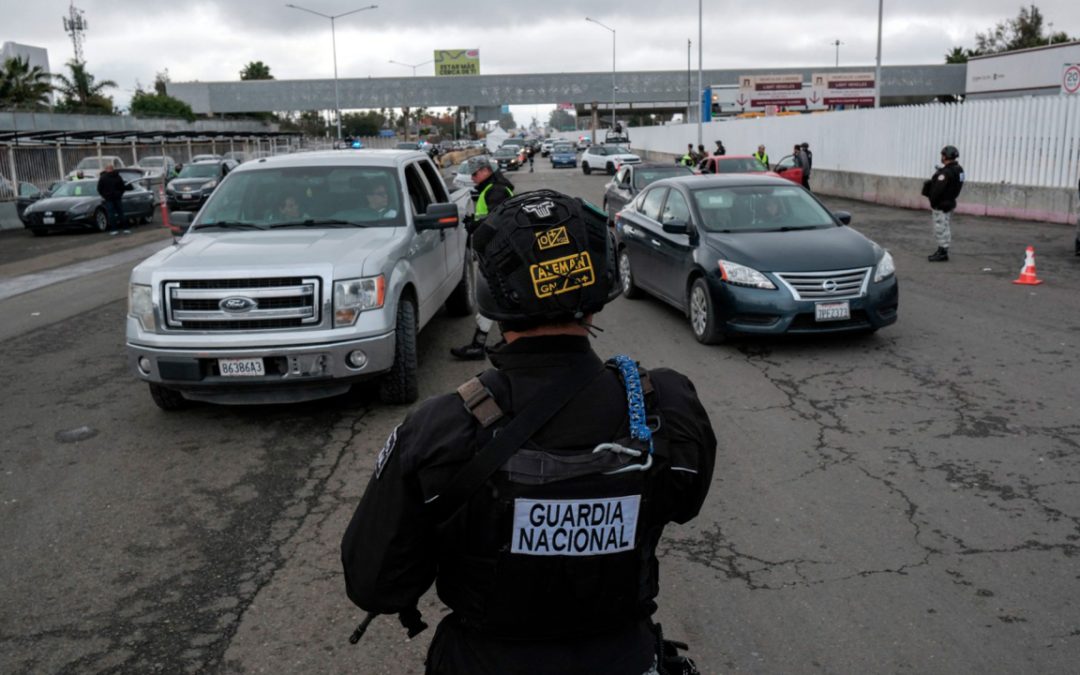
(30, 282)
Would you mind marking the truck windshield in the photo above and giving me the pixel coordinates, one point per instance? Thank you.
(309, 195)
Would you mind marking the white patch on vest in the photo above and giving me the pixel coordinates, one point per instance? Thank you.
(574, 527)
(384, 454)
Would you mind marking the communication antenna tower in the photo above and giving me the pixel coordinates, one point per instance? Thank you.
(75, 25)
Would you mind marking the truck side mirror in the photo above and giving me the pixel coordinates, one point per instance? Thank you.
(438, 217)
(180, 222)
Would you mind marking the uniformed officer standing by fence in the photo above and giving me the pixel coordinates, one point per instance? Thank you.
(942, 190)
(535, 496)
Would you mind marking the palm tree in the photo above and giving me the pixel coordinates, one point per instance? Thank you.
(22, 86)
(81, 90)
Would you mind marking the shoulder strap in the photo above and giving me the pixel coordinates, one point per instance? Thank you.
(507, 440)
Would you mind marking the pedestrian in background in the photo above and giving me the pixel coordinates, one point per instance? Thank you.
(762, 156)
(701, 153)
(720, 149)
(808, 159)
(942, 190)
(111, 187)
(689, 159)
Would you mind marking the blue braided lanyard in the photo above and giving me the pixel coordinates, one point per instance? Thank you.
(635, 399)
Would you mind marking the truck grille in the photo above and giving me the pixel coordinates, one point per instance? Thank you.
(256, 304)
(833, 285)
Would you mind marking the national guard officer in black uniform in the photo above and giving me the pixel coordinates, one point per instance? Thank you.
(942, 190)
(535, 496)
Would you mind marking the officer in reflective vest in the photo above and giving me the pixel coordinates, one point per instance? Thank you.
(492, 188)
(762, 156)
(538, 524)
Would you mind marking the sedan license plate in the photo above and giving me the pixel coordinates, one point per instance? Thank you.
(832, 311)
(48, 221)
(241, 367)
(186, 195)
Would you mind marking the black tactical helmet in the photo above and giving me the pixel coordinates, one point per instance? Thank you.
(544, 258)
(950, 152)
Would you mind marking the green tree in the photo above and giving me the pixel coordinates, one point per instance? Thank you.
(145, 104)
(22, 86)
(256, 70)
(506, 121)
(82, 92)
(561, 120)
(1023, 32)
(959, 55)
(161, 82)
(362, 124)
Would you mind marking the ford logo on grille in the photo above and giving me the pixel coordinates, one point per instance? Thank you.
(829, 286)
(237, 304)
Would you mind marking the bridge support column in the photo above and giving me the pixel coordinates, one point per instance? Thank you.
(595, 120)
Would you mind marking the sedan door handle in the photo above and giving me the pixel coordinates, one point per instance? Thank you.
(654, 242)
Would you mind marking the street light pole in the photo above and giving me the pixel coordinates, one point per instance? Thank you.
(837, 43)
(700, 84)
(877, 67)
(333, 42)
(613, 88)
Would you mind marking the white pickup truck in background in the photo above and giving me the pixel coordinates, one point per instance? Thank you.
(301, 276)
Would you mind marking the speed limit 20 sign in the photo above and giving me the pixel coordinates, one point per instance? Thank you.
(1070, 78)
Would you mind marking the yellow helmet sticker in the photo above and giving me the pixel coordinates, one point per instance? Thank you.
(562, 275)
(552, 238)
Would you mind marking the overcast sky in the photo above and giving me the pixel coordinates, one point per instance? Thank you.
(130, 40)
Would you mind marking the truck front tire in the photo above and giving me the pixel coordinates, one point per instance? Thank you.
(399, 385)
(168, 399)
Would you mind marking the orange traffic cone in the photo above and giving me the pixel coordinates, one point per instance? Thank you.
(1027, 275)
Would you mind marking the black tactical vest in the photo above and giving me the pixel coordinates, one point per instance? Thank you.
(558, 542)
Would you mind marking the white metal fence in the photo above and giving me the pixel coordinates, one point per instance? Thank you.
(41, 164)
(1033, 141)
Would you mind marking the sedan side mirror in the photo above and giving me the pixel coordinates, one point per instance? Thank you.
(676, 227)
(843, 216)
(438, 217)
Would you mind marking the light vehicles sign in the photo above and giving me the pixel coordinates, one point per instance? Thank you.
(764, 90)
(842, 88)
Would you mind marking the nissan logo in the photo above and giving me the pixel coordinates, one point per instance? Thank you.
(829, 285)
(237, 304)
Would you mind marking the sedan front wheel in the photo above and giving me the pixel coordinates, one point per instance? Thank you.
(626, 277)
(703, 314)
(101, 220)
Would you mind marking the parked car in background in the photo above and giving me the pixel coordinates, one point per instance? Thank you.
(206, 158)
(76, 205)
(583, 142)
(301, 276)
(90, 167)
(195, 183)
(28, 194)
(786, 168)
(631, 179)
(238, 156)
(546, 146)
(462, 177)
(743, 164)
(607, 158)
(563, 154)
(508, 157)
(743, 254)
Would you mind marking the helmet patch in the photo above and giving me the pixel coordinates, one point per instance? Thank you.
(562, 275)
(552, 238)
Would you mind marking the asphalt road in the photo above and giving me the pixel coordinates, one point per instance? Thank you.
(902, 502)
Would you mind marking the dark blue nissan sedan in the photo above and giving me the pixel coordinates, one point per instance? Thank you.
(753, 255)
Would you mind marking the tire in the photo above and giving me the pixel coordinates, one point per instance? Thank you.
(610, 169)
(167, 399)
(399, 385)
(101, 220)
(462, 301)
(630, 290)
(585, 168)
(145, 220)
(702, 314)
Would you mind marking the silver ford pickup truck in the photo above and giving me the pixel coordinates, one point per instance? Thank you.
(301, 276)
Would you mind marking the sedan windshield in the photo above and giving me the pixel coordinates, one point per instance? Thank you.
(94, 162)
(506, 152)
(563, 148)
(643, 177)
(77, 188)
(151, 161)
(199, 171)
(759, 208)
(315, 196)
(739, 165)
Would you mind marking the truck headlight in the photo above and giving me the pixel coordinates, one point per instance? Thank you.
(141, 305)
(352, 296)
(885, 268)
(741, 275)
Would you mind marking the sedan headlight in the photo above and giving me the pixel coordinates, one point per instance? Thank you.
(208, 185)
(885, 268)
(141, 305)
(741, 275)
(353, 296)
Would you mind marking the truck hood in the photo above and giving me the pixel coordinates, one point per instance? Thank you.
(344, 249)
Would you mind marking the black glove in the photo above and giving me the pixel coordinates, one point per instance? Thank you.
(470, 222)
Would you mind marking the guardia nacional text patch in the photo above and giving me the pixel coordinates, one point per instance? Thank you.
(575, 527)
(562, 275)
